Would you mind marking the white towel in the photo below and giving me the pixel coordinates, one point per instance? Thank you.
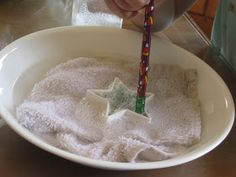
(58, 111)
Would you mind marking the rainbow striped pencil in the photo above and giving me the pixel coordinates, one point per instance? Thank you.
(144, 64)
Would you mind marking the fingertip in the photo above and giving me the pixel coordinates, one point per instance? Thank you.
(118, 11)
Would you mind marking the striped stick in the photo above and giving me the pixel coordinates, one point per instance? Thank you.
(144, 64)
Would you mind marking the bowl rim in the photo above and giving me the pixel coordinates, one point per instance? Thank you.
(30, 137)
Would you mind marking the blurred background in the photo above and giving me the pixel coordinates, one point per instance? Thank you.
(20, 17)
(203, 13)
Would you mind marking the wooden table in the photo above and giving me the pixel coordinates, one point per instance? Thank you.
(18, 158)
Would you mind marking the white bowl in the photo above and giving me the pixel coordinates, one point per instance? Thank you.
(23, 62)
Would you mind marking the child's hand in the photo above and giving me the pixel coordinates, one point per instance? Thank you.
(126, 8)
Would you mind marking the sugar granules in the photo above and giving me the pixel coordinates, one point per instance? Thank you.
(58, 111)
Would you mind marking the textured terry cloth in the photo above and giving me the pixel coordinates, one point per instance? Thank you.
(59, 111)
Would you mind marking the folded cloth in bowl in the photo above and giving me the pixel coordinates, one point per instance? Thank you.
(59, 112)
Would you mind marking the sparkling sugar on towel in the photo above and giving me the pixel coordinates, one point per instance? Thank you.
(62, 111)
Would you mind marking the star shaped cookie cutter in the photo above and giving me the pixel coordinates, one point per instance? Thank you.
(118, 100)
